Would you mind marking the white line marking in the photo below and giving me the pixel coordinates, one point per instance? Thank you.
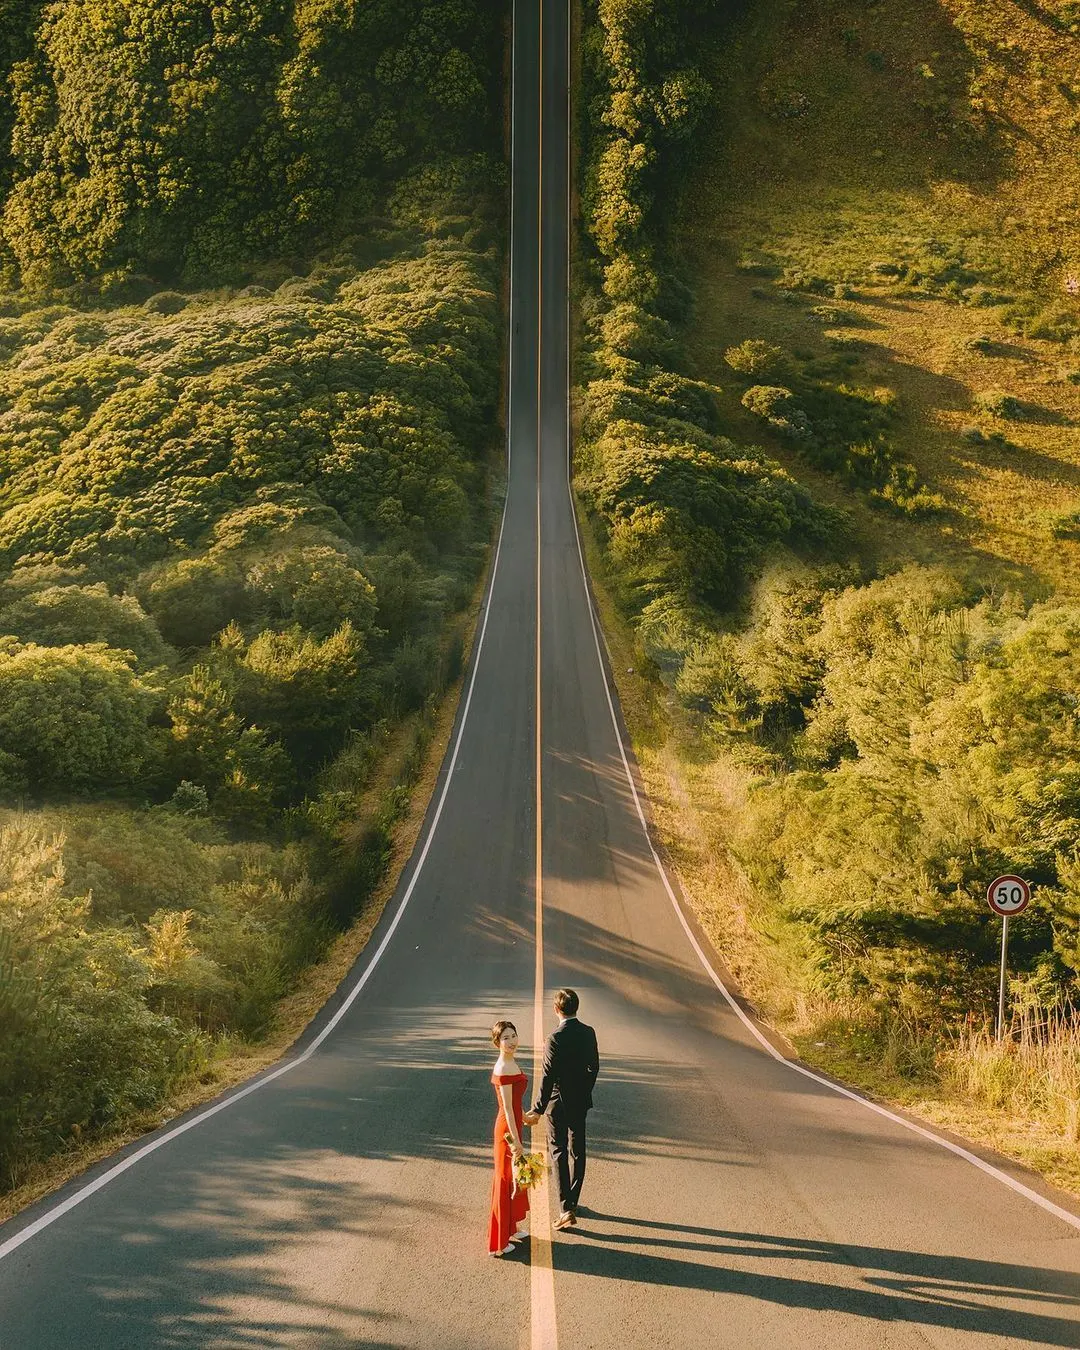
(92, 1187)
(1018, 1186)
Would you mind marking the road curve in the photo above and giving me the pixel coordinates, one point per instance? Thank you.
(732, 1200)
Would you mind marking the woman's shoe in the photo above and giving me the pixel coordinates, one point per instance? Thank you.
(505, 1251)
(519, 1235)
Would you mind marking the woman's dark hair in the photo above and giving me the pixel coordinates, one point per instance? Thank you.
(566, 1003)
(498, 1029)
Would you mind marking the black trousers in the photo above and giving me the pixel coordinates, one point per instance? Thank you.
(566, 1139)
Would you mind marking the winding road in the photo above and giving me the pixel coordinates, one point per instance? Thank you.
(733, 1199)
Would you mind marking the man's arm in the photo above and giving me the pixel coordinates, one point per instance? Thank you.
(592, 1068)
(547, 1078)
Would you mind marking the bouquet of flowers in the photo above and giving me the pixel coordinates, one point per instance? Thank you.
(529, 1169)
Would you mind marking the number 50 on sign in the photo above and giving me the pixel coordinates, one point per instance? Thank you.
(1008, 896)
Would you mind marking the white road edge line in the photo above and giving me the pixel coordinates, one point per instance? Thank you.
(99, 1183)
(1013, 1184)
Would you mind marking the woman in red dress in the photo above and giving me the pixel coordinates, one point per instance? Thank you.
(508, 1207)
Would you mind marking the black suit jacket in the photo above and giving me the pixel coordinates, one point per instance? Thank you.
(571, 1063)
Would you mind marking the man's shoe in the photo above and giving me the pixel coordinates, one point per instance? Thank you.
(566, 1219)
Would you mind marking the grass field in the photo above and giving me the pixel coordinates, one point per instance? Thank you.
(908, 227)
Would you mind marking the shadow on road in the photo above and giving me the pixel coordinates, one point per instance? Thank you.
(951, 1292)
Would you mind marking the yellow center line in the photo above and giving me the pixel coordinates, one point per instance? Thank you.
(542, 1274)
(543, 1335)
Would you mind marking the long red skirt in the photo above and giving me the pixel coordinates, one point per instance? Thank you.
(508, 1210)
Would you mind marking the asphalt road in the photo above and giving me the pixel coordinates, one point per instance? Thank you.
(731, 1200)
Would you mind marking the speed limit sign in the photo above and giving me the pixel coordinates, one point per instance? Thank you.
(1008, 895)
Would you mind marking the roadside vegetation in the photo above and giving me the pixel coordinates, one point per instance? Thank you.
(828, 396)
(249, 380)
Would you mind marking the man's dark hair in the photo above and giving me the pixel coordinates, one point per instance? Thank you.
(566, 1003)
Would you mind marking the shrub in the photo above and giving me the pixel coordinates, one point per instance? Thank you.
(244, 772)
(694, 515)
(129, 863)
(779, 407)
(80, 1050)
(1056, 323)
(60, 616)
(72, 718)
(768, 401)
(985, 295)
(758, 265)
(318, 588)
(305, 691)
(757, 358)
(1000, 404)
(165, 302)
(193, 599)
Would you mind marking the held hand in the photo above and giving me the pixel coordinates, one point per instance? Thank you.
(531, 1118)
(517, 1151)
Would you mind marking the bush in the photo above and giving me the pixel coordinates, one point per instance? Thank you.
(304, 691)
(769, 401)
(72, 718)
(999, 404)
(757, 358)
(165, 302)
(205, 142)
(61, 616)
(81, 1052)
(1056, 323)
(779, 407)
(695, 515)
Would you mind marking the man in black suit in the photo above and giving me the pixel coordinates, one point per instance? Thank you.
(571, 1063)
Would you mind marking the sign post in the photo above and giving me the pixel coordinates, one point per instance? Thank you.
(1007, 895)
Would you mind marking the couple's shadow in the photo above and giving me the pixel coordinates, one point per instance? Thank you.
(889, 1285)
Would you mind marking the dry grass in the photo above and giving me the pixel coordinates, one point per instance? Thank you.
(974, 160)
(1033, 1073)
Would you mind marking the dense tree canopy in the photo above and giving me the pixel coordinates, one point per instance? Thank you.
(192, 137)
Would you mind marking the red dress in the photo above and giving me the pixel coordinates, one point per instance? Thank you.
(508, 1209)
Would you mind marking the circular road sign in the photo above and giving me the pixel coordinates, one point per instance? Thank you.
(1008, 895)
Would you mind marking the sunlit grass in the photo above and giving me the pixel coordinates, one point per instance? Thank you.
(1033, 1071)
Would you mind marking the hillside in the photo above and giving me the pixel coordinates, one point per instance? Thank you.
(828, 409)
(250, 362)
(903, 181)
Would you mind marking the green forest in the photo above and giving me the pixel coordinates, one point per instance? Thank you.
(250, 256)
(830, 349)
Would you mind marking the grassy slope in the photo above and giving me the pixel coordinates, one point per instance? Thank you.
(970, 167)
(865, 175)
